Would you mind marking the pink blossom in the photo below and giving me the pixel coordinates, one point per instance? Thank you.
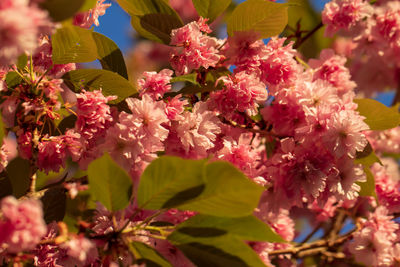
(175, 106)
(90, 17)
(74, 188)
(344, 185)
(8, 109)
(175, 216)
(386, 29)
(343, 14)
(25, 144)
(387, 184)
(51, 154)
(344, 133)
(42, 61)
(102, 222)
(51, 87)
(197, 130)
(94, 118)
(21, 224)
(48, 254)
(286, 113)
(93, 113)
(373, 243)
(20, 28)
(73, 142)
(300, 172)
(384, 76)
(325, 212)
(283, 225)
(244, 48)
(3, 157)
(241, 155)
(194, 49)
(3, 84)
(344, 46)
(13, 4)
(8, 151)
(331, 68)
(155, 84)
(149, 116)
(387, 141)
(80, 251)
(137, 136)
(278, 67)
(240, 93)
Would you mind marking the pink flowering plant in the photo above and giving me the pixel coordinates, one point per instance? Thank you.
(258, 149)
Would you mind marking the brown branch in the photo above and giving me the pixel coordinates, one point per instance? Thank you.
(301, 40)
(396, 96)
(321, 246)
(337, 225)
(32, 184)
(312, 233)
(246, 128)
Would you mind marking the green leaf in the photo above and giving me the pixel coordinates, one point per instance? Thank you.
(153, 19)
(264, 17)
(218, 251)
(60, 10)
(367, 157)
(148, 255)
(67, 123)
(246, 228)
(22, 61)
(194, 89)
(217, 188)
(191, 77)
(228, 192)
(392, 155)
(89, 4)
(143, 7)
(94, 79)
(110, 55)
(368, 187)
(5, 185)
(13, 79)
(18, 171)
(377, 115)
(210, 8)
(214, 74)
(54, 203)
(109, 184)
(156, 27)
(73, 44)
(167, 177)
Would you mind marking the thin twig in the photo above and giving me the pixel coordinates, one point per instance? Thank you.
(337, 225)
(311, 234)
(300, 41)
(32, 184)
(396, 96)
(317, 247)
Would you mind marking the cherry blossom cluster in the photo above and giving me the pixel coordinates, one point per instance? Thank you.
(22, 23)
(370, 39)
(290, 126)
